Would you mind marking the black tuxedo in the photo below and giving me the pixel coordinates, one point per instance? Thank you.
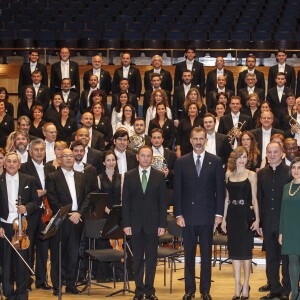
(198, 75)
(259, 77)
(27, 190)
(130, 159)
(272, 97)
(97, 140)
(198, 200)
(144, 213)
(59, 195)
(256, 115)
(56, 77)
(166, 80)
(94, 159)
(178, 101)
(73, 102)
(259, 136)
(298, 85)
(84, 102)
(211, 80)
(91, 177)
(134, 79)
(133, 100)
(170, 157)
(64, 133)
(289, 73)
(270, 185)
(211, 99)
(25, 76)
(36, 226)
(43, 96)
(243, 93)
(226, 123)
(147, 100)
(104, 81)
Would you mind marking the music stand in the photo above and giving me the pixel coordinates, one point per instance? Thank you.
(51, 230)
(113, 230)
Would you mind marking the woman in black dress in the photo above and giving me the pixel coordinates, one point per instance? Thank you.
(65, 125)
(98, 96)
(102, 122)
(52, 113)
(7, 125)
(252, 109)
(9, 107)
(162, 122)
(27, 103)
(193, 96)
(186, 124)
(36, 127)
(241, 217)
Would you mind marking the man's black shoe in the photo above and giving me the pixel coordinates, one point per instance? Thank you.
(271, 296)
(264, 288)
(72, 290)
(206, 296)
(188, 296)
(284, 296)
(44, 286)
(55, 291)
(138, 297)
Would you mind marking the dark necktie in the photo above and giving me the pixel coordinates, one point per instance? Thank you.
(198, 165)
(144, 180)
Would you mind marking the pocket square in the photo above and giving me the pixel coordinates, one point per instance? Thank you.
(26, 187)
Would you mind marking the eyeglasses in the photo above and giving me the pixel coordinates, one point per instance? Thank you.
(67, 156)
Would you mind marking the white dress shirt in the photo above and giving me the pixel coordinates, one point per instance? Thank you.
(97, 72)
(24, 156)
(281, 67)
(158, 151)
(69, 175)
(186, 88)
(50, 154)
(126, 126)
(65, 96)
(115, 118)
(220, 72)
(33, 66)
(266, 137)
(41, 172)
(121, 161)
(125, 71)
(189, 65)
(280, 92)
(211, 143)
(157, 71)
(36, 88)
(79, 167)
(147, 173)
(65, 72)
(250, 90)
(84, 159)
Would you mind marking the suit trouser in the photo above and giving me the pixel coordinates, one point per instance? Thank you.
(273, 259)
(144, 246)
(191, 234)
(14, 267)
(70, 238)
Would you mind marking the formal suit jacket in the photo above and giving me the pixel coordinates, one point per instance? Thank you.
(56, 77)
(73, 102)
(94, 158)
(211, 80)
(91, 177)
(298, 85)
(223, 147)
(178, 101)
(130, 159)
(256, 115)
(25, 76)
(259, 136)
(290, 77)
(199, 199)
(64, 133)
(270, 185)
(211, 99)
(198, 75)
(9, 108)
(144, 211)
(259, 76)
(243, 93)
(134, 79)
(7, 126)
(166, 80)
(104, 126)
(43, 96)
(24, 110)
(272, 97)
(147, 100)
(58, 192)
(133, 100)
(97, 140)
(170, 157)
(27, 190)
(84, 102)
(29, 169)
(104, 82)
(226, 123)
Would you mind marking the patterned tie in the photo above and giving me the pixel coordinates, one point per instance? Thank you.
(198, 165)
(144, 181)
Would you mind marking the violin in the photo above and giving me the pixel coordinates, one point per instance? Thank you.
(20, 238)
(47, 214)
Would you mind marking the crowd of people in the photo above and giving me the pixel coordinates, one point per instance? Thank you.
(226, 158)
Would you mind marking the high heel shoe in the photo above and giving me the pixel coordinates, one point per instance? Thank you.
(245, 297)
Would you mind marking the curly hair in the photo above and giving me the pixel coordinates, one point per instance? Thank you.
(164, 96)
(234, 155)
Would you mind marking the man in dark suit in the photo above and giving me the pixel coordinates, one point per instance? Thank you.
(198, 207)
(131, 73)
(270, 183)
(144, 219)
(91, 155)
(12, 186)
(139, 126)
(70, 98)
(282, 67)
(124, 88)
(104, 78)
(36, 168)
(277, 94)
(64, 187)
(195, 67)
(217, 143)
(155, 85)
(24, 123)
(263, 134)
(168, 155)
(291, 150)
(65, 69)
(27, 69)
(165, 76)
(213, 75)
(180, 93)
(126, 158)
(85, 104)
(250, 62)
(234, 120)
(211, 98)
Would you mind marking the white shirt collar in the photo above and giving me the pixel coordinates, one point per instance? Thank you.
(10, 177)
(38, 166)
(67, 173)
(264, 131)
